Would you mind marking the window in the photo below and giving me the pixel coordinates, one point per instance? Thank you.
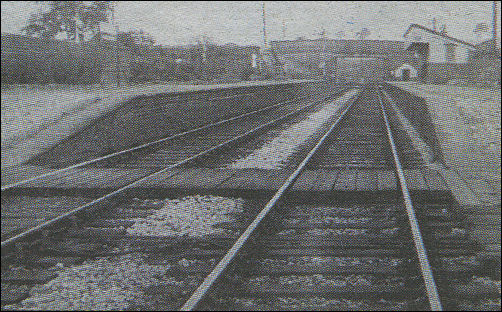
(450, 52)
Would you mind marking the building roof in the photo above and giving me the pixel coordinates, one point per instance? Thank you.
(438, 34)
(488, 48)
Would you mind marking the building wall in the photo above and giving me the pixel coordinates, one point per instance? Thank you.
(346, 47)
(437, 46)
(462, 54)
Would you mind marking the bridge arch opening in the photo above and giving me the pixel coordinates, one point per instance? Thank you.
(405, 72)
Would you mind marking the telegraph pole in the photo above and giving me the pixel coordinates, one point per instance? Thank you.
(117, 56)
(494, 25)
(264, 25)
(283, 30)
(323, 53)
(263, 54)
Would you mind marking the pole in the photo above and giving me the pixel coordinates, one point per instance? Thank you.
(78, 21)
(265, 55)
(204, 63)
(117, 59)
(283, 30)
(494, 25)
(264, 25)
(336, 68)
(323, 54)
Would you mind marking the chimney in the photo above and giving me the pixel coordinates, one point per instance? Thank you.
(443, 29)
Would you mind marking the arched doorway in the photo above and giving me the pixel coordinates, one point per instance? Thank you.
(406, 72)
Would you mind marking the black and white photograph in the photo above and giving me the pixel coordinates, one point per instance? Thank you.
(250, 155)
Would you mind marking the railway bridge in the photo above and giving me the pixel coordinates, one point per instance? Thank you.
(344, 60)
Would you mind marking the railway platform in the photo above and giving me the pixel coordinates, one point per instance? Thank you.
(472, 162)
(76, 110)
(220, 180)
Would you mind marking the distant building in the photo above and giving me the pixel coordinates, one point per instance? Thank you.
(107, 31)
(486, 49)
(441, 47)
(116, 60)
(444, 59)
(405, 72)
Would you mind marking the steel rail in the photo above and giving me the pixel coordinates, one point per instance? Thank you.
(72, 212)
(208, 282)
(425, 267)
(149, 144)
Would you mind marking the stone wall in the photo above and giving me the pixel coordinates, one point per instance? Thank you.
(479, 71)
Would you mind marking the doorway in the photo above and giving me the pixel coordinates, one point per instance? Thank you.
(406, 74)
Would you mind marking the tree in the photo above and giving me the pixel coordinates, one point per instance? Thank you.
(71, 17)
(142, 38)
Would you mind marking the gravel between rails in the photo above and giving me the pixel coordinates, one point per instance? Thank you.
(101, 284)
(193, 216)
(130, 281)
(22, 212)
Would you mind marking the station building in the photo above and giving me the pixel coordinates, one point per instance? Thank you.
(441, 47)
(443, 58)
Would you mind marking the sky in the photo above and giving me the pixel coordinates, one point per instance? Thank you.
(240, 22)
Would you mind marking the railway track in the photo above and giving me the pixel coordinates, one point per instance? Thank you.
(354, 251)
(358, 254)
(157, 157)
